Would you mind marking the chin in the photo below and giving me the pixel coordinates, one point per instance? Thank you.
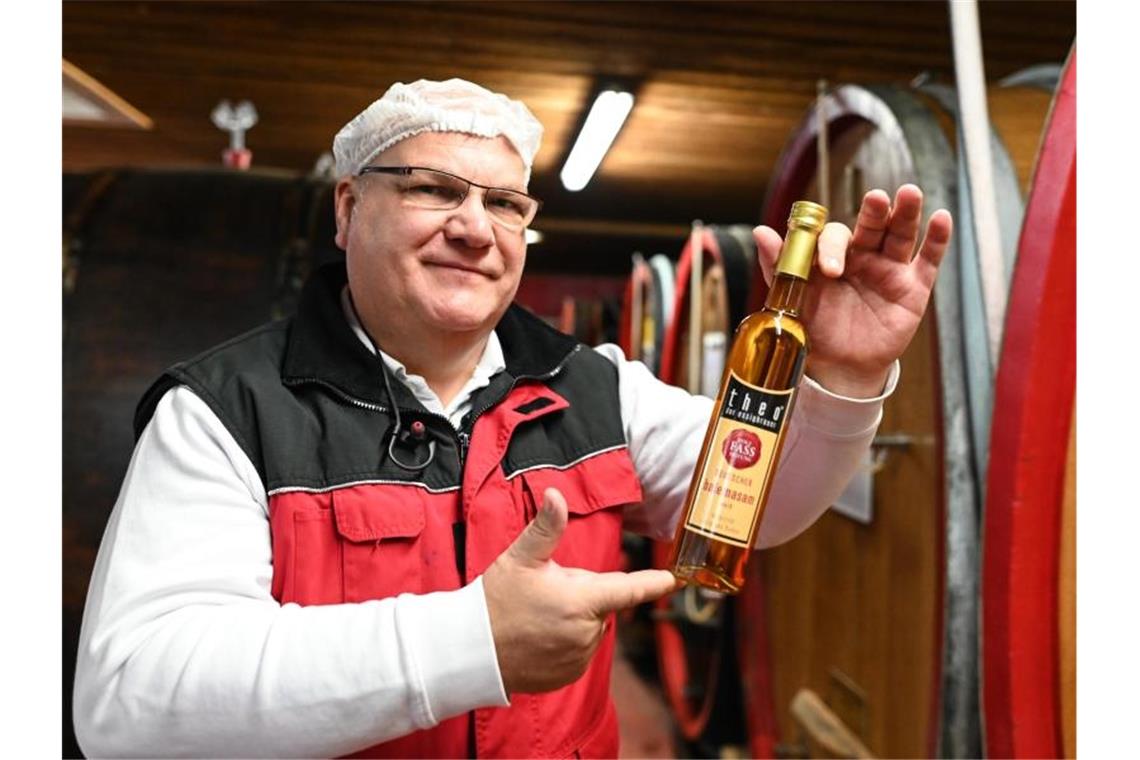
(464, 318)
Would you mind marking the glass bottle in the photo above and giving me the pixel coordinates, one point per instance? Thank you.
(742, 446)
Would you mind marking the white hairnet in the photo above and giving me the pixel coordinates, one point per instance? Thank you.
(425, 106)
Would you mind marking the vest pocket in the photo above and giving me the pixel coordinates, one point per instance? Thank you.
(380, 529)
(578, 720)
(593, 532)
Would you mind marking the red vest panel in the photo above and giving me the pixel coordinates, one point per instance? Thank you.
(375, 540)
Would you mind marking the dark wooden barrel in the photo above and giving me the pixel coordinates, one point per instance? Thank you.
(1028, 631)
(696, 661)
(160, 265)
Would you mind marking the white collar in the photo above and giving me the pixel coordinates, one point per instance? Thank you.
(491, 362)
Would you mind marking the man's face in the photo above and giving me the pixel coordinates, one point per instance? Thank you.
(446, 270)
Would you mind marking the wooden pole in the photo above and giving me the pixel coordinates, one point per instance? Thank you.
(971, 80)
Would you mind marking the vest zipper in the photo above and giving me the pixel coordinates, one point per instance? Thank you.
(464, 443)
(462, 439)
(338, 393)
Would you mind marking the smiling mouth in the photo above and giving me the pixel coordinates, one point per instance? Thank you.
(458, 267)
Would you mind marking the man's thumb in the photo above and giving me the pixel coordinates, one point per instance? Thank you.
(768, 245)
(538, 540)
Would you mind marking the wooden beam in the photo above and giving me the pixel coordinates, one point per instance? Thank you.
(110, 109)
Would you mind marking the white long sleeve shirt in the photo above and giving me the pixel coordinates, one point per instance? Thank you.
(184, 652)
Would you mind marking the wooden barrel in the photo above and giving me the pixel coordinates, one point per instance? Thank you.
(158, 267)
(585, 319)
(663, 280)
(918, 557)
(694, 650)
(855, 612)
(1028, 631)
(730, 252)
(1018, 107)
(646, 308)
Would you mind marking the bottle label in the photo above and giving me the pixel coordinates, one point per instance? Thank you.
(739, 461)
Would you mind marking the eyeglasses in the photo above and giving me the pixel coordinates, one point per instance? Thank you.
(434, 189)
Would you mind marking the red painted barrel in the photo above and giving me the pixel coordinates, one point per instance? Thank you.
(1026, 630)
(1067, 600)
(689, 630)
(730, 248)
(646, 309)
(636, 309)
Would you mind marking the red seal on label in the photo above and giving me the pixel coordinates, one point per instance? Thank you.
(741, 449)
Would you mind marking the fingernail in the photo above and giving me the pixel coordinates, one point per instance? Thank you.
(832, 262)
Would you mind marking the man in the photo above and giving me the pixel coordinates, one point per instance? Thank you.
(391, 525)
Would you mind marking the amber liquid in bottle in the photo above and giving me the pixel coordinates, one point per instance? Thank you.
(742, 446)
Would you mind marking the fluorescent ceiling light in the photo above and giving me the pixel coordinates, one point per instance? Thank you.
(602, 125)
(533, 236)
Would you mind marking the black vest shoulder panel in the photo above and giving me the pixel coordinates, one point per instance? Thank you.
(328, 424)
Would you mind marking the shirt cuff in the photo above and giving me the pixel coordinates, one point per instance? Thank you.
(841, 416)
(455, 651)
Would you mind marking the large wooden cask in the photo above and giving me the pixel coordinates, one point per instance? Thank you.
(878, 615)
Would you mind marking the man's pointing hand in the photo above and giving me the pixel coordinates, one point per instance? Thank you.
(547, 620)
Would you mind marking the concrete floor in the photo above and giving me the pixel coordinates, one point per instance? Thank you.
(644, 720)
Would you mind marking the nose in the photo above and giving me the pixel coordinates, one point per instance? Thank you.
(470, 222)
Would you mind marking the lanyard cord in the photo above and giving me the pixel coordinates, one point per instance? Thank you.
(396, 428)
(418, 428)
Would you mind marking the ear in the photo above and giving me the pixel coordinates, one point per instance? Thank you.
(344, 206)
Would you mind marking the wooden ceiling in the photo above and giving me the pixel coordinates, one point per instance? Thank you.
(720, 85)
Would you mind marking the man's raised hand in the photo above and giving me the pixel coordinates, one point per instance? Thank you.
(864, 310)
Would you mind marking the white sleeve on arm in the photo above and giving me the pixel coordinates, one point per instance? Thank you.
(665, 426)
(184, 652)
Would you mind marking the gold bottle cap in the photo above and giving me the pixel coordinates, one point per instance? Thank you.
(804, 225)
(808, 216)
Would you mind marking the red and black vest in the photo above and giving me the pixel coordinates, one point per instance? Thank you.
(305, 400)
